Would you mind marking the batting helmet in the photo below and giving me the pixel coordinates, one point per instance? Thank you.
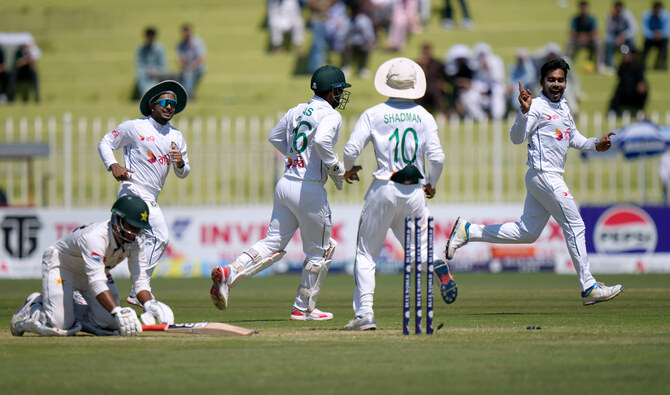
(133, 211)
(326, 78)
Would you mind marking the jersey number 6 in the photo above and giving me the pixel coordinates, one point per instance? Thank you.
(300, 136)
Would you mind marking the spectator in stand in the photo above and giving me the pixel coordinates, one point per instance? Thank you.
(191, 52)
(486, 96)
(435, 99)
(522, 70)
(318, 51)
(25, 70)
(360, 39)
(584, 35)
(151, 62)
(4, 78)
(448, 15)
(460, 70)
(620, 30)
(381, 14)
(632, 90)
(285, 16)
(404, 21)
(655, 32)
(337, 26)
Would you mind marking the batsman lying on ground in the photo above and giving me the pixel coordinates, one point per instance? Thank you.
(80, 261)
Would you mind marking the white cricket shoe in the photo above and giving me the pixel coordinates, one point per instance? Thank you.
(132, 299)
(220, 288)
(23, 313)
(78, 298)
(600, 292)
(362, 323)
(314, 315)
(458, 238)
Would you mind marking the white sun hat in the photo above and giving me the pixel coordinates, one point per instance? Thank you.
(402, 78)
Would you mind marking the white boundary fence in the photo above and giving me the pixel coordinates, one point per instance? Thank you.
(233, 164)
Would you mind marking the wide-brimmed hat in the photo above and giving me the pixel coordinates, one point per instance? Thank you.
(164, 86)
(401, 77)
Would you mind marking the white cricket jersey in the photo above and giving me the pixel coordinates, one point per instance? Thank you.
(402, 132)
(91, 251)
(146, 145)
(550, 131)
(306, 135)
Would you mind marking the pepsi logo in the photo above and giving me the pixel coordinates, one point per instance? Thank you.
(626, 229)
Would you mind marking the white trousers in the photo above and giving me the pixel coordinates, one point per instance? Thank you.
(58, 285)
(156, 239)
(548, 195)
(386, 206)
(297, 205)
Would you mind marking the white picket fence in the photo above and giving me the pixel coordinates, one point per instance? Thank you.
(233, 164)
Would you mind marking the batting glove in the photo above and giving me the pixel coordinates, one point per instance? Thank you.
(160, 311)
(336, 172)
(126, 317)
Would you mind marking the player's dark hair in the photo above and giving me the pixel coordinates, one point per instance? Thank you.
(552, 65)
(150, 31)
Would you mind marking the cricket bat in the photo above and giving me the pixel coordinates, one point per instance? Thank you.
(201, 328)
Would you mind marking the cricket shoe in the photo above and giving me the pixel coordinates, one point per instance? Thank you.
(314, 315)
(23, 313)
(448, 287)
(78, 298)
(132, 299)
(600, 292)
(364, 322)
(220, 288)
(458, 238)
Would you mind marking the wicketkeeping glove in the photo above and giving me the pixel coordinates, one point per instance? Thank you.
(160, 311)
(336, 172)
(126, 317)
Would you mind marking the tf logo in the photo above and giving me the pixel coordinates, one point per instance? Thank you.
(20, 235)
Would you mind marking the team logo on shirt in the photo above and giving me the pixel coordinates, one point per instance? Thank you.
(561, 135)
(162, 160)
(150, 138)
(298, 162)
(566, 194)
(115, 133)
(552, 116)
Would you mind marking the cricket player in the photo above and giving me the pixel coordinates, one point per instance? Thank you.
(81, 261)
(306, 135)
(151, 146)
(547, 125)
(405, 140)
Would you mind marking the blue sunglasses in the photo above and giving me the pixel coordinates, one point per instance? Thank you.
(166, 102)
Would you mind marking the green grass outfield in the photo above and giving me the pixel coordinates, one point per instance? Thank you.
(622, 346)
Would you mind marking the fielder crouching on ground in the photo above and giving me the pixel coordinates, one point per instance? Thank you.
(80, 261)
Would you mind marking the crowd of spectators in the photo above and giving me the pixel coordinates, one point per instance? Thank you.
(473, 82)
(18, 67)
(151, 64)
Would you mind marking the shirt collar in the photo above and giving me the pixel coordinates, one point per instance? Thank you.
(160, 128)
(112, 239)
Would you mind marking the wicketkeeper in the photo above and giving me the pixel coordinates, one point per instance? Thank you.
(80, 261)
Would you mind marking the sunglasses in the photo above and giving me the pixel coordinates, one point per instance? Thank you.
(166, 102)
